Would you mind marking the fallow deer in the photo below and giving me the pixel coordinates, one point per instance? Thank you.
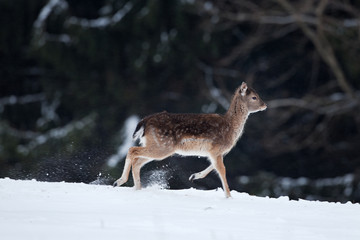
(207, 135)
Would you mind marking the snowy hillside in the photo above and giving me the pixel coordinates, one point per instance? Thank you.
(40, 210)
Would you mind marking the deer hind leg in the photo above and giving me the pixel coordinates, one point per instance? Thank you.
(137, 164)
(201, 174)
(143, 155)
(125, 174)
(218, 163)
(132, 161)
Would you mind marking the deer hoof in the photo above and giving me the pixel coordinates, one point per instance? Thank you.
(118, 183)
(192, 177)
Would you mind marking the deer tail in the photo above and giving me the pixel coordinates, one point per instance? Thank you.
(139, 131)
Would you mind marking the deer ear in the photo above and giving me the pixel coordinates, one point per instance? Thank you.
(243, 89)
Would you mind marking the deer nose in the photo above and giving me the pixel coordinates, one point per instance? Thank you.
(264, 107)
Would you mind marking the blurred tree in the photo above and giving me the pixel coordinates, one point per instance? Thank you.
(73, 71)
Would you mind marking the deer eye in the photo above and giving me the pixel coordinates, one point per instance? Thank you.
(254, 98)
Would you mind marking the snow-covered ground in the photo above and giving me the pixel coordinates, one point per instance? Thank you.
(42, 210)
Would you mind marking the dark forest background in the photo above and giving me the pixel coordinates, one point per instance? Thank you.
(73, 71)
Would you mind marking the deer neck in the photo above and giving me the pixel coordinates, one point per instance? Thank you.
(237, 115)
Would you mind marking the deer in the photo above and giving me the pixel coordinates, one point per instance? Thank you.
(164, 134)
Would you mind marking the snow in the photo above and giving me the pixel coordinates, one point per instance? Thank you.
(46, 11)
(215, 93)
(57, 133)
(40, 22)
(12, 100)
(42, 210)
(102, 21)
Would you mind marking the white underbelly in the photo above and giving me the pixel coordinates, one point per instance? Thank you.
(192, 153)
(194, 147)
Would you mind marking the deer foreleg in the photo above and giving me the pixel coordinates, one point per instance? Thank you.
(201, 174)
(220, 168)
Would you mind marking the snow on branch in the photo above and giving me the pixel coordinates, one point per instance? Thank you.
(58, 6)
(40, 35)
(300, 187)
(285, 185)
(46, 11)
(28, 135)
(101, 21)
(48, 111)
(127, 136)
(57, 133)
(334, 104)
(215, 93)
(12, 100)
(286, 19)
(351, 23)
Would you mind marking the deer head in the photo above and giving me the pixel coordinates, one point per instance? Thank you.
(250, 98)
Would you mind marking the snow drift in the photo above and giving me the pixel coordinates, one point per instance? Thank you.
(42, 210)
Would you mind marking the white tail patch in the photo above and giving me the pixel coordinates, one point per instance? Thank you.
(138, 134)
(143, 141)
